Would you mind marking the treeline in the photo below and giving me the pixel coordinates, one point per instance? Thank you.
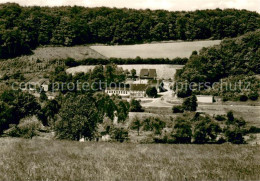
(197, 128)
(233, 57)
(70, 62)
(95, 80)
(24, 28)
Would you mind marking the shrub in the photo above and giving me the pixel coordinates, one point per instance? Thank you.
(234, 136)
(136, 124)
(230, 117)
(182, 132)
(206, 131)
(220, 117)
(28, 128)
(177, 109)
(158, 125)
(190, 103)
(70, 62)
(119, 134)
(253, 96)
(135, 106)
(147, 124)
(243, 98)
(253, 129)
(151, 92)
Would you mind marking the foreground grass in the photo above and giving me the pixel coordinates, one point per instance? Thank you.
(63, 160)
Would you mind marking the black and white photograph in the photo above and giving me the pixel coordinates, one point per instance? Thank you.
(137, 90)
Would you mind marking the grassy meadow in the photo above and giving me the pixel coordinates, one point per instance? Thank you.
(154, 50)
(40, 159)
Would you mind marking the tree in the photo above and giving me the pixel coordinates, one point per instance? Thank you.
(78, 117)
(190, 103)
(182, 131)
(230, 117)
(43, 96)
(253, 96)
(119, 134)
(133, 73)
(135, 106)
(177, 109)
(151, 91)
(158, 125)
(136, 124)
(206, 131)
(234, 136)
(17, 105)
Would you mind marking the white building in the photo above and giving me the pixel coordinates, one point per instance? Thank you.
(134, 91)
(204, 98)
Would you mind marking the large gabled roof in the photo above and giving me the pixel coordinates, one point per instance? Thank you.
(148, 73)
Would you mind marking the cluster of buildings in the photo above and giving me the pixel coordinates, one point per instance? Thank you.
(136, 89)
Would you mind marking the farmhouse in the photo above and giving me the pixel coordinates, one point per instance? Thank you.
(204, 98)
(122, 91)
(138, 90)
(134, 91)
(148, 74)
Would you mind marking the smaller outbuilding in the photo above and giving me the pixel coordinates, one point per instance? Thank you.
(205, 98)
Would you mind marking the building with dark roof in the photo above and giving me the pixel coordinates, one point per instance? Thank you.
(138, 90)
(148, 74)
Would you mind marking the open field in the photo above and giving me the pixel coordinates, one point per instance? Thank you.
(250, 113)
(76, 52)
(154, 50)
(164, 71)
(63, 160)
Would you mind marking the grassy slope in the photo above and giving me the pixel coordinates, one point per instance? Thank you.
(63, 160)
(45, 57)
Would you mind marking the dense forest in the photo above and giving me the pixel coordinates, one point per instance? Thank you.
(25, 28)
(237, 58)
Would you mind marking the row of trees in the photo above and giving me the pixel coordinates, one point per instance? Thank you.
(193, 128)
(97, 79)
(72, 116)
(80, 115)
(23, 28)
(70, 62)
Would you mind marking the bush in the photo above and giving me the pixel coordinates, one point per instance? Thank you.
(253, 96)
(230, 117)
(136, 124)
(190, 103)
(234, 136)
(253, 129)
(147, 124)
(158, 125)
(206, 131)
(70, 62)
(119, 134)
(28, 128)
(177, 109)
(182, 132)
(151, 92)
(135, 106)
(243, 98)
(220, 117)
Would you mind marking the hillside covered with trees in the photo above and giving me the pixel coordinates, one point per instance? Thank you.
(232, 61)
(25, 28)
